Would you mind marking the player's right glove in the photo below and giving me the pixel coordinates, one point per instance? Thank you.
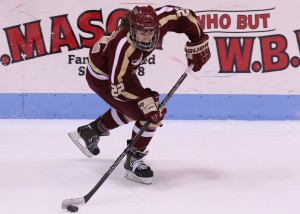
(198, 53)
(149, 105)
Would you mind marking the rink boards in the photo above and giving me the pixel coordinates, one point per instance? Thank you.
(253, 73)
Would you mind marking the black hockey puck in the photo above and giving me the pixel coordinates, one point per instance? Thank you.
(72, 209)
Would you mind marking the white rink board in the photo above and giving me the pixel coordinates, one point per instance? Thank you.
(276, 30)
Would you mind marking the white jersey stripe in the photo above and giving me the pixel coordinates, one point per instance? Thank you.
(94, 74)
(117, 56)
(164, 9)
(116, 117)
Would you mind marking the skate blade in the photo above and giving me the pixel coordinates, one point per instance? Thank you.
(131, 176)
(76, 139)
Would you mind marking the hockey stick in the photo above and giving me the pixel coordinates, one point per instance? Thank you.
(80, 201)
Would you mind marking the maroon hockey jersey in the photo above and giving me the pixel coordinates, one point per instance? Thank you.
(115, 58)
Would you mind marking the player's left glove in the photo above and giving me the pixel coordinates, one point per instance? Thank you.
(149, 105)
(198, 53)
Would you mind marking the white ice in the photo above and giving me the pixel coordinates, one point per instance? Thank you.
(208, 167)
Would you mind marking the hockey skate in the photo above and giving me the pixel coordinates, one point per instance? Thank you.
(136, 169)
(90, 135)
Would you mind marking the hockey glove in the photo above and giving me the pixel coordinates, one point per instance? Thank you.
(198, 53)
(149, 105)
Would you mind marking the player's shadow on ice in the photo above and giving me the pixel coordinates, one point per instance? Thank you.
(163, 178)
(180, 176)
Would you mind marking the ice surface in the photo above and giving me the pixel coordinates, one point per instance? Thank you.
(209, 167)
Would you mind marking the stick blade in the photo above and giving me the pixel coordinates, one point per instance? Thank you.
(71, 202)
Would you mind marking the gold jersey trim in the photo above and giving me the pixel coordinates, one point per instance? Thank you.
(96, 69)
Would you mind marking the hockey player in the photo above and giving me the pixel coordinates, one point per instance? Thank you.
(111, 74)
